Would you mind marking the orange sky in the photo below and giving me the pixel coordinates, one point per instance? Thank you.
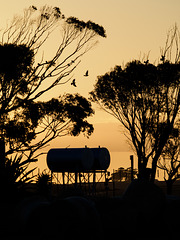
(134, 28)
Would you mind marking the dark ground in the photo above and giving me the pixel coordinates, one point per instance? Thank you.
(119, 218)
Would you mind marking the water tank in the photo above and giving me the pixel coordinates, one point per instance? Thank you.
(70, 159)
(101, 158)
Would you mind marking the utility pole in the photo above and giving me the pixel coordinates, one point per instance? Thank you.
(132, 166)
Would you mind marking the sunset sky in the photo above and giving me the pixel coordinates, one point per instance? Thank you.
(135, 28)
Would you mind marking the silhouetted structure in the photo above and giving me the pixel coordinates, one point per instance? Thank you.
(79, 166)
(123, 174)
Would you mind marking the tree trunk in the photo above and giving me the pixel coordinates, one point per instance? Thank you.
(2, 153)
(153, 173)
(144, 172)
(169, 186)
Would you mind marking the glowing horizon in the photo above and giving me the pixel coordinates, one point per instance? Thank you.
(135, 30)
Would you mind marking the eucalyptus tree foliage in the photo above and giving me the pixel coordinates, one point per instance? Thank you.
(145, 99)
(34, 29)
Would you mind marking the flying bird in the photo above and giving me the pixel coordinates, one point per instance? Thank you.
(33, 7)
(73, 83)
(86, 74)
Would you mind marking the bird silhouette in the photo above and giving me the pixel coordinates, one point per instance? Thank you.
(73, 83)
(162, 58)
(86, 74)
(146, 62)
(33, 7)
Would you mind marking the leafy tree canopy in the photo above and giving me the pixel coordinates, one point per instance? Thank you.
(88, 25)
(145, 98)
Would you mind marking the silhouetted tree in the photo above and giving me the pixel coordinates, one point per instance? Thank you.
(145, 98)
(26, 122)
(170, 161)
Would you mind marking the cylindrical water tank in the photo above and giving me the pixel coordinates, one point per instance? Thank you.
(101, 158)
(70, 159)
